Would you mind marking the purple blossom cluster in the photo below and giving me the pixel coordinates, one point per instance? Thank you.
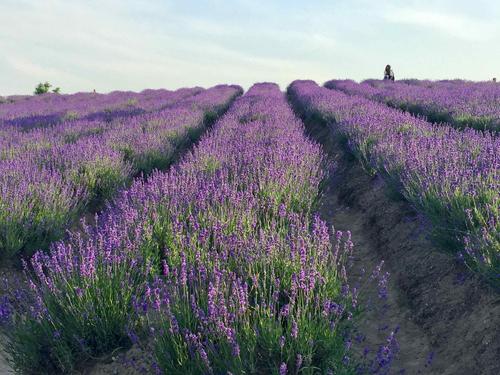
(49, 176)
(452, 176)
(385, 355)
(220, 261)
(461, 103)
(5, 309)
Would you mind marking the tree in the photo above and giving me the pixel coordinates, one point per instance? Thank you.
(42, 88)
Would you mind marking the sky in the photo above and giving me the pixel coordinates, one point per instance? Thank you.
(111, 45)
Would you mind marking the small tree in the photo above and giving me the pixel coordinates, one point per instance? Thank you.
(57, 90)
(42, 88)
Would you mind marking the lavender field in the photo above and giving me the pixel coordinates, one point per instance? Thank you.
(344, 229)
(460, 103)
(61, 156)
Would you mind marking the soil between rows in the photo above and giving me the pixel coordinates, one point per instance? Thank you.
(4, 366)
(448, 319)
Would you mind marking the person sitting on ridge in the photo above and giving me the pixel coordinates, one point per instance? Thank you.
(388, 73)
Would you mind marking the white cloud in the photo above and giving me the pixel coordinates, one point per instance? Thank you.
(458, 26)
(36, 71)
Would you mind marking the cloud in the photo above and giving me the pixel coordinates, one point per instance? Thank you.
(131, 44)
(36, 71)
(458, 26)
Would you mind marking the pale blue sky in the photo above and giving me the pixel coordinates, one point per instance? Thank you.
(132, 45)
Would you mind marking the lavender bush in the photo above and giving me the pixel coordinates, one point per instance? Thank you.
(452, 176)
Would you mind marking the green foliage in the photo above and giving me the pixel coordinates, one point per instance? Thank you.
(70, 115)
(405, 128)
(209, 165)
(148, 160)
(101, 179)
(131, 103)
(252, 117)
(210, 117)
(87, 320)
(477, 122)
(36, 222)
(42, 88)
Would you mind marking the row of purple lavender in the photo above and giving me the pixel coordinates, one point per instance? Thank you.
(50, 109)
(50, 175)
(452, 176)
(21, 139)
(460, 103)
(218, 266)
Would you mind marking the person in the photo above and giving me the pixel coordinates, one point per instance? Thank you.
(494, 79)
(388, 73)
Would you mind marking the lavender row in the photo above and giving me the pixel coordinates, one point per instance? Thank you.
(460, 103)
(51, 109)
(217, 266)
(176, 107)
(452, 176)
(43, 190)
(15, 140)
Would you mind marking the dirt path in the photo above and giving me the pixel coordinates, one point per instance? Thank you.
(381, 316)
(448, 319)
(5, 369)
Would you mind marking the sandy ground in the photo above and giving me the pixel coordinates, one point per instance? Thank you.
(134, 361)
(5, 368)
